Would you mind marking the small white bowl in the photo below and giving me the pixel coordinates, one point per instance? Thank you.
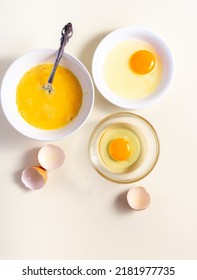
(123, 34)
(15, 73)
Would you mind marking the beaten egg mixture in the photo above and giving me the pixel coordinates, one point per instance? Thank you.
(42, 109)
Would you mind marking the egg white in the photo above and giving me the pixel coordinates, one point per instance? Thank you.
(122, 80)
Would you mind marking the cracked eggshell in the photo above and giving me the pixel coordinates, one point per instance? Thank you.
(34, 177)
(51, 157)
(138, 198)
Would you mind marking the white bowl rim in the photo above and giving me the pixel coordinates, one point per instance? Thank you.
(110, 40)
(40, 134)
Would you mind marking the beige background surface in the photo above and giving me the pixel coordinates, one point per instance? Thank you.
(80, 215)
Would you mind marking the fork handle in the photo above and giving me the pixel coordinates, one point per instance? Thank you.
(66, 34)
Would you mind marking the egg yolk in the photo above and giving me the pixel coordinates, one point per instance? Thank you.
(119, 149)
(142, 62)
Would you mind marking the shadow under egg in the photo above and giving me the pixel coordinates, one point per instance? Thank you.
(30, 158)
(122, 205)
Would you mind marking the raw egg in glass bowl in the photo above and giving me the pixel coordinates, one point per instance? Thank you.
(33, 111)
(133, 67)
(124, 147)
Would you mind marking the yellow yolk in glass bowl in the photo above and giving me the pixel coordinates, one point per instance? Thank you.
(119, 149)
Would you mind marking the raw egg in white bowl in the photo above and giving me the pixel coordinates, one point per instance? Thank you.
(133, 67)
(33, 111)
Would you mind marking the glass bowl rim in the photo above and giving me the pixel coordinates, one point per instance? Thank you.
(125, 114)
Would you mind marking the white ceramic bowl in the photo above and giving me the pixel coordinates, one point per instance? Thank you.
(15, 73)
(123, 34)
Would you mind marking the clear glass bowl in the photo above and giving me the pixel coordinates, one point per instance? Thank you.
(149, 144)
